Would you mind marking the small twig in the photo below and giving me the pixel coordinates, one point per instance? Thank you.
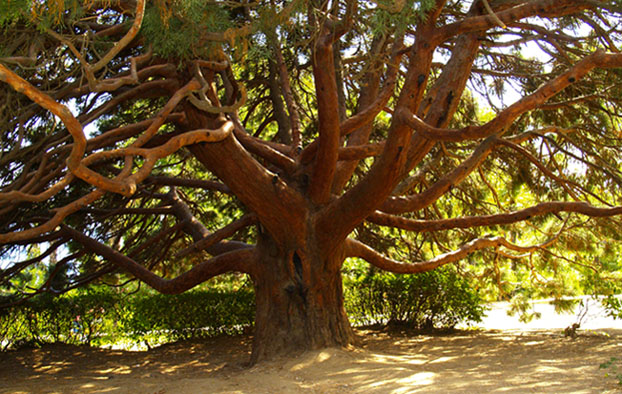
(493, 15)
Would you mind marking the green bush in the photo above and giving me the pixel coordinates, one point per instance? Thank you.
(101, 315)
(164, 318)
(12, 329)
(79, 318)
(436, 299)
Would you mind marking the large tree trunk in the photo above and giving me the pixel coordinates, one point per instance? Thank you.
(297, 272)
(299, 299)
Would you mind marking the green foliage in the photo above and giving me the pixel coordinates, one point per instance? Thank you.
(613, 306)
(436, 299)
(160, 318)
(177, 32)
(81, 318)
(45, 13)
(398, 16)
(521, 305)
(13, 10)
(615, 366)
(99, 316)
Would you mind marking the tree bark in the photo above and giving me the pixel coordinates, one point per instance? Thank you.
(299, 300)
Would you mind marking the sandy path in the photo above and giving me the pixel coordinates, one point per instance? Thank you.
(467, 361)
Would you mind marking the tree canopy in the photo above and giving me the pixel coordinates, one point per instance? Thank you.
(177, 140)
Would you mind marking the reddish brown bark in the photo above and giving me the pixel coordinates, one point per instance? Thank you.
(299, 300)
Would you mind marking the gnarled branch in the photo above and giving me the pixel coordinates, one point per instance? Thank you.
(358, 249)
(241, 260)
(541, 209)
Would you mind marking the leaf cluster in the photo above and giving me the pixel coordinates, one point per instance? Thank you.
(177, 29)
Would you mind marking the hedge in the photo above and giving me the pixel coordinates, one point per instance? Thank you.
(101, 316)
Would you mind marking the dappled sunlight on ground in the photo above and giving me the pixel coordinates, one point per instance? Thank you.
(471, 362)
(386, 362)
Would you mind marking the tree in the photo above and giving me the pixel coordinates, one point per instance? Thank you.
(139, 137)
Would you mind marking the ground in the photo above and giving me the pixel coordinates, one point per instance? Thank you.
(469, 361)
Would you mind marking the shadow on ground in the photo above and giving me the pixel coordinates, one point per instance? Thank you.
(387, 362)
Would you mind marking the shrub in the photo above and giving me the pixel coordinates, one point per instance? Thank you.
(77, 318)
(164, 318)
(436, 299)
(99, 316)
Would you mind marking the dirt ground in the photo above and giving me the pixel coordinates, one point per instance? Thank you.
(492, 361)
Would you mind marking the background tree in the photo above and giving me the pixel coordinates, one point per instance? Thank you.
(137, 138)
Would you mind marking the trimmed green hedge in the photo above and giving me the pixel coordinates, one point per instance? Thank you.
(77, 319)
(100, 316)
(105, 317)
(161, 318)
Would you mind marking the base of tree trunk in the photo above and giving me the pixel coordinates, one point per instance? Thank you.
(299, 307)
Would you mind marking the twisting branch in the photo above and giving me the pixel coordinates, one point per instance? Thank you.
(124, 182)
(527, 103)
(75, 163)
(541, 209)
(120, 133)
(219, 235)
(91, 69)
(153, 154)
(242, 260)
(65, 115)
(205, 104)
(445, 183)
(358, 249)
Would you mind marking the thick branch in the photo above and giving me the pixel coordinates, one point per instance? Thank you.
(541, 209)
(371, 102)
(358, 152)
(262, 191)
(541, 8)
(362, 119)
(219, 235)
(345, 213)
(508, 115)
(328, 114)
(444, 184)
(443, 98)
(263, 150)
(358, 249)
(241, 260)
